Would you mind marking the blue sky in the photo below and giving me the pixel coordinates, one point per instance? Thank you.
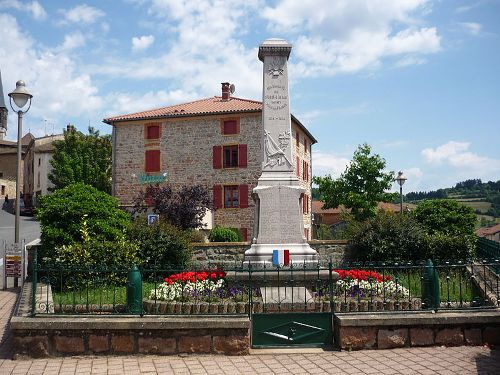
(418, 80)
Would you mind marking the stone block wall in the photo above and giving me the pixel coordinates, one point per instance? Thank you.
(371, 331)
(233, 253)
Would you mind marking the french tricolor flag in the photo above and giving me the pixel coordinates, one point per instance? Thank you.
(281, 257)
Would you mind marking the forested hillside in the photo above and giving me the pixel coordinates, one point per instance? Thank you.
(483, 197)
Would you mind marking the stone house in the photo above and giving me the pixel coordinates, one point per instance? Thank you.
(491, 233)
(215, 142)
(37, 167)
(8, 165)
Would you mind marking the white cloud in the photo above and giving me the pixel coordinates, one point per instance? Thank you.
(457, 155)
(81, 14)
(59, 89)
(473, 28)
(72, 41)
(34, 7)
(351, 35)
(324, 163)
(142, 42)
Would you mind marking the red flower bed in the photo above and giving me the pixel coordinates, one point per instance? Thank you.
(362, 275)
(192, 276)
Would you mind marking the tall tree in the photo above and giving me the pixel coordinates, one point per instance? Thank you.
(362, 185)
(82, 158)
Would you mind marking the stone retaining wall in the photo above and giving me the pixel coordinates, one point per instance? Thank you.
(233, 252)
(395, 330)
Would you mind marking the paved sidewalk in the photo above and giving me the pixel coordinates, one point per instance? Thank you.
(435, 360)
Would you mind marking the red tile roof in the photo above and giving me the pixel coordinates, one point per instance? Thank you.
(208, 106)
(481, 232)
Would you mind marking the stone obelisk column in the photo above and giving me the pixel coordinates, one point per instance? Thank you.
(279, 223)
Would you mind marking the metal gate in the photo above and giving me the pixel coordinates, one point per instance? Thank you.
(292, 308)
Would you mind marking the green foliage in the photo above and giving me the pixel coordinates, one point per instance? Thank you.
(61, 214)
(323, 232)
(223, 234)
(161, 245)
(362, 185)
(82, 158)
(444, 246)
(446, 216)
(387, 236)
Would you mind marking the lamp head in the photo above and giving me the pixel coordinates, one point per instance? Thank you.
(20, 95)
(401, 179)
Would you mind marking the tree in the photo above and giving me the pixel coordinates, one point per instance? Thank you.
(362, 185)
(82, 158)
(450, 228)
(184, 208)
(61, 216)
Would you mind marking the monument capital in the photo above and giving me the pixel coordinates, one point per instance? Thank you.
(274, 46)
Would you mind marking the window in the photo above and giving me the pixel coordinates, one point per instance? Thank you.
(231, 156)
(297, 139)
(305, 145)
(230, 126)
(305, 204)
(297, 164)
(231, 196)
(152, 131)
(152, 163)
(305, 170)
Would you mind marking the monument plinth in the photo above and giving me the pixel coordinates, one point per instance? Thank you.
(279, 223)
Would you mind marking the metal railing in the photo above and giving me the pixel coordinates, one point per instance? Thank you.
(369, 286)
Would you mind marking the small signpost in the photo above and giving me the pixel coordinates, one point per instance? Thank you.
(13, 265)
(152, 218)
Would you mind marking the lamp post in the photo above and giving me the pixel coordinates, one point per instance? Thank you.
(401, 180)
(20, 96)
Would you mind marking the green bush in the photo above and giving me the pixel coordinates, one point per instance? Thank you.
(91, 258)
(449, 247)
(387, 236)
(61, 214)
(223, 234)
(161, 245)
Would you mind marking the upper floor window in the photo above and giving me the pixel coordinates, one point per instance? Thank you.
(297, 139)
(152, 161)
(230, 126)
(230, 156)
(152, 131)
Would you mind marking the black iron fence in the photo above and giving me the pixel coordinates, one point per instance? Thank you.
(236, 289)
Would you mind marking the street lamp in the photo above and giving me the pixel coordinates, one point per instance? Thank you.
(20, 96)
(401, 180)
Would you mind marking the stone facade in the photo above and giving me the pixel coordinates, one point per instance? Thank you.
(186, 146)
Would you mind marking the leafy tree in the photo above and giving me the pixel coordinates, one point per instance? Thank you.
(446, 216)
(82, 158)
(388, 236)
(362, 185)
(184, 208)
(61, 215)
(450, 228)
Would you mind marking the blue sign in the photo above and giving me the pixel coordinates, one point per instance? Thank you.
(152, 218)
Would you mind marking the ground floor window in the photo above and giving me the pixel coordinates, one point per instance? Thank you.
(231, 196)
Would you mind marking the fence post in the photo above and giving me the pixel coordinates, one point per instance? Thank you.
(134, 291)
(431, 298)
(34, 278)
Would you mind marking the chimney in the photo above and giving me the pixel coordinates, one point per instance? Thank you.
(226, 94)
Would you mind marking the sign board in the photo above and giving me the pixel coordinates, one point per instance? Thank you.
(152, 179)
(152, 218)
(13, 260)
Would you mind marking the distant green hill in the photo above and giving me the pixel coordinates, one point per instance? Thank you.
(483, 197)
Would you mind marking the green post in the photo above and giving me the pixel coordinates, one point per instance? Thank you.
(430, 288)
(34, 278)
(134, 291)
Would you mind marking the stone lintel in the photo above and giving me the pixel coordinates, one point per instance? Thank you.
(424, 318)
(127, 323)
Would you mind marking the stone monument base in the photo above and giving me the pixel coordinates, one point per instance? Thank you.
(301, 255)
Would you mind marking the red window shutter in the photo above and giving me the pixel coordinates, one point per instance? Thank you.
(244, 233)
(242, 156)
(305, 145)
(230, 127)
(298, 166)
(217, 157)
(243, 193)
(297, 139)
(153, 132)
(152, 163)
(217, 196)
